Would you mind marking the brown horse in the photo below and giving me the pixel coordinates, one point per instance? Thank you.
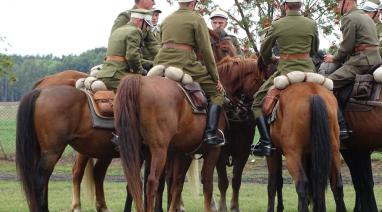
(365, 139)
(153, 112)
(241, 79)
(307, 134)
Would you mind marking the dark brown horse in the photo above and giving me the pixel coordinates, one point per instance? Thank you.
(307, 134)
(365, 139)
(241, 78)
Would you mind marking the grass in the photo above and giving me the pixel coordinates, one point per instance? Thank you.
(252, 197)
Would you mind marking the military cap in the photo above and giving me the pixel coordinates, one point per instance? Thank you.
(375, 1)
(156, 10)
(370, 6)
(292, 1)
(219, 13)
(181, 1)
(380, 7)
(140, 13)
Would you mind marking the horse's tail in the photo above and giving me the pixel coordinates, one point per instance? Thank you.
(193, 177)
(27, 147)
(321, 151)
(88, 180)
(127, 126)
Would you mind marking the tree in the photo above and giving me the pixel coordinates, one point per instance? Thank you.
(6, 64)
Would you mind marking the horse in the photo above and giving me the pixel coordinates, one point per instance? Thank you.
(307, 134)
(241, 78)
(33, 159)
(366, 138)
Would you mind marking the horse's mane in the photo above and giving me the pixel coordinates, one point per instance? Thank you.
(245, 64)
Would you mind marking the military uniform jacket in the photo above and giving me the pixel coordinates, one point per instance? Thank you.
(357, 28)
(149, 41)
(378, 24)
(125, 42)
(187, 27)
(294, 34)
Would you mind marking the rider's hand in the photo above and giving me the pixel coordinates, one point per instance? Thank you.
(143, 72)
(219, 87)
(328, 58)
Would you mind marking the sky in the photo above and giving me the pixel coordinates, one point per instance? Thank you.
(42, 27)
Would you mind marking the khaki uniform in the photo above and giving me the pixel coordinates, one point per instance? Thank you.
(357, 29)
(378, 24)
(150, 43)
(188, 27)
(294, 34)
(124, 42)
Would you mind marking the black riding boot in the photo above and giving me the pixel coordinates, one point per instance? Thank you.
(210, 136)
(344, 132)
(264, 147)
(114, 141)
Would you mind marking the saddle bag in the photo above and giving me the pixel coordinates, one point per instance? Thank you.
(363, 86)
(104, 102)
(270, 100)
(197, 95)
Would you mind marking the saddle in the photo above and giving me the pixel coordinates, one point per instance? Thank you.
(363, 94)
(195, 96)
(101, 107)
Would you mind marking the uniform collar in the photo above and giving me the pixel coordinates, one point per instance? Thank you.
(352, 10)
(293, 13)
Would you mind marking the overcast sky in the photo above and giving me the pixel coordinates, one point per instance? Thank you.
(41, 27)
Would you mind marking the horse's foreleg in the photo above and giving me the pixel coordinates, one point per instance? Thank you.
(158, 161)
(209, 163)
(274, 170)
(238, 166)
(221, 168)
(100, 169)
(297, 172)
(78, 172)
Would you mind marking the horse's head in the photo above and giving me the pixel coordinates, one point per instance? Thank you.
(222, 45)
(240, 77)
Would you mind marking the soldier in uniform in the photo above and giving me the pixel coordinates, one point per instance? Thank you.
(358, 51)
(371, 9)
(123, 51)
(150, 44)
(181, 33)
(154, 20)
(219, 21)
(297, 39)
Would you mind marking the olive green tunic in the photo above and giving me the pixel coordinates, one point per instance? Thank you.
(378, 24)
(150, 43)
(125, 42)
(188, 27)
(357, 28)
(294, 34)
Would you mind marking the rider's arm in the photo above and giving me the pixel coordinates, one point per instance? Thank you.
(133, 52)
(348, 40)
(267, 45)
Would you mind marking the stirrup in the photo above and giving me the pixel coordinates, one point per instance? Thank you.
(260, 149)
(345, 134)
(114, 141)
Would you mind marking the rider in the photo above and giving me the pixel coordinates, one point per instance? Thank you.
(154, 19)
(358, 51)
(150, 44)
(297, 39)
(123, 51)
(371, 8)
(181, 33)
(219, 21)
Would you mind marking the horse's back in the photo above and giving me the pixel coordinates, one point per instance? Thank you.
(67, 77)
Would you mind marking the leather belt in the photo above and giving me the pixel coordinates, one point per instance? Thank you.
(115, 58)
(364, 47)
(294, 56)
(177, 46)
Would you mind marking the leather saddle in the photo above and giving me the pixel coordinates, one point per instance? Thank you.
(101, 107)
(195, 96)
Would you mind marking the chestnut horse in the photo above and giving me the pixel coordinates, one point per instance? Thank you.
(307, 134)
(241, 78)
(46, 151)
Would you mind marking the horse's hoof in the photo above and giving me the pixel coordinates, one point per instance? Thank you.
(76, 209)
(104, 210)
(235, 210)
(222, 209)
